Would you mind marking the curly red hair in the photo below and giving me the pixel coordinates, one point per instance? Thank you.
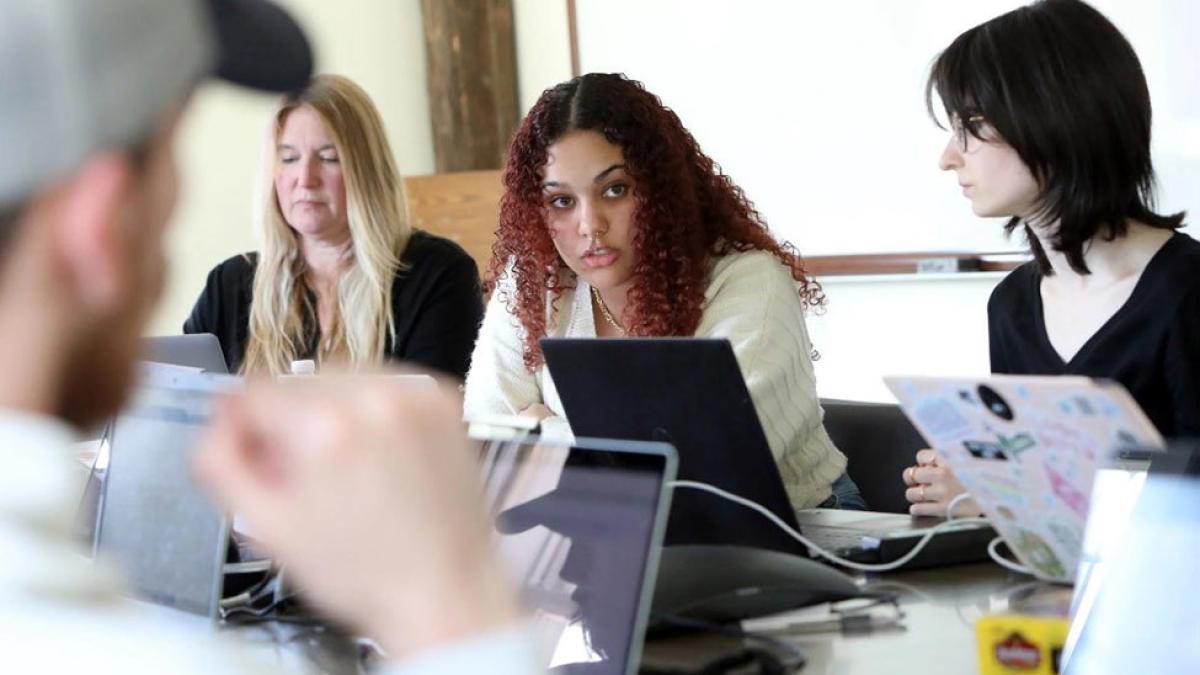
(687, 210)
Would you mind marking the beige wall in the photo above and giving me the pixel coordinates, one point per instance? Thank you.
(871, 327)
(378, 43)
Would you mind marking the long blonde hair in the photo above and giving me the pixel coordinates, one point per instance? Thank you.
(282, 316)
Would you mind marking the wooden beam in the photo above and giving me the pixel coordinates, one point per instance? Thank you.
(573, 35)
(914, 263)
(470, 46)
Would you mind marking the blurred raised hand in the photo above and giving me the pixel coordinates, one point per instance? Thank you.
(365, 488)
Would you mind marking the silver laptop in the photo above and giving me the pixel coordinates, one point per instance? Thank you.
(1134, 609)
(201, 350)
(580, 528)
(154, 523)
(877, 537)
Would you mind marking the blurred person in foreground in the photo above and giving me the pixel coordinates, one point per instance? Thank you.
(91, 95)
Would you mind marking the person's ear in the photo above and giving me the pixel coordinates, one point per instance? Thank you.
(91, 236)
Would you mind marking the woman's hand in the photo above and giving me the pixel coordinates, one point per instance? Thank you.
(931, 487)
(366, 489)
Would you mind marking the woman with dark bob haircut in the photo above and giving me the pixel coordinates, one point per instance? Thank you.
(615, 223)
(1050, 120)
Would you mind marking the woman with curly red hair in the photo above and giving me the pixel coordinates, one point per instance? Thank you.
(615, 223)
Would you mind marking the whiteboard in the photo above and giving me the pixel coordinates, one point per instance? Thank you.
(817, 108)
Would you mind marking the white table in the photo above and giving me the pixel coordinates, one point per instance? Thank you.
(938, 637)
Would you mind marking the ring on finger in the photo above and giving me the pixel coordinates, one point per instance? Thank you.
(921, 493)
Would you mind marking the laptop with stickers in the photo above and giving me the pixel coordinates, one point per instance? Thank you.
(1028, 448)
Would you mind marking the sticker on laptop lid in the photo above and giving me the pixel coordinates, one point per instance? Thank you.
(940, 419)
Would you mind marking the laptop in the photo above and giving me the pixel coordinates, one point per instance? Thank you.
(1136, 611)
(877, 537)
(1027, 448)
(690, 392)
(154, 524)
(580, 528)
(200, 350)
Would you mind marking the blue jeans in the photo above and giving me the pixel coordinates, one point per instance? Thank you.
(845, 496)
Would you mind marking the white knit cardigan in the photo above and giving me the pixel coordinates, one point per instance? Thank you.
(751, 300)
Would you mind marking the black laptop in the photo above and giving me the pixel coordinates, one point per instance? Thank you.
(690, 392)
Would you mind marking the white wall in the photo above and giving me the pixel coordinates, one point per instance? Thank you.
(817, 108)
(378, 43)
(899, 325)
(543, 47)
(870, 327)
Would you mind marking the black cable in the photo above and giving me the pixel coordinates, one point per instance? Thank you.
(237, 618)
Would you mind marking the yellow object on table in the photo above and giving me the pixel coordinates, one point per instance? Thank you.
(1019, 643)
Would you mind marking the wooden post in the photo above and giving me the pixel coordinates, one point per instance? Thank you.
(472, 78)
(573, 36)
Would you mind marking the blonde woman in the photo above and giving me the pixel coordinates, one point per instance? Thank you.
(341, 276)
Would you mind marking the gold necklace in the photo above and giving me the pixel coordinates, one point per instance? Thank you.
(605, 313)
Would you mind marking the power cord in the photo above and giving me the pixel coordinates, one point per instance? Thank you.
(269, 600)
(993, 550)
(954, 502)
(947, 526)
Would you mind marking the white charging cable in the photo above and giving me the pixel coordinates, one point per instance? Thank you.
(954, 502)
(947, 526)
(993, 549)
(994, 553)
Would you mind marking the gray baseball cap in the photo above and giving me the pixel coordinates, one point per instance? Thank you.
(78, 76)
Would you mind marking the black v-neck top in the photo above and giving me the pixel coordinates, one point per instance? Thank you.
(1151, 345)
(437, 306)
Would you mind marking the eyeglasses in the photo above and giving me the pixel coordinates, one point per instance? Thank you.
(965, 131)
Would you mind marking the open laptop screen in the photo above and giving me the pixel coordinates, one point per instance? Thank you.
(1140, 616)
(579, 528)
(160, 530)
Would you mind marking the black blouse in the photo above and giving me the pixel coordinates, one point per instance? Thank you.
(437, 306)
(1151, 345)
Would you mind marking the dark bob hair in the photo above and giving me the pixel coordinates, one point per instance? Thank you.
(1063, 87)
